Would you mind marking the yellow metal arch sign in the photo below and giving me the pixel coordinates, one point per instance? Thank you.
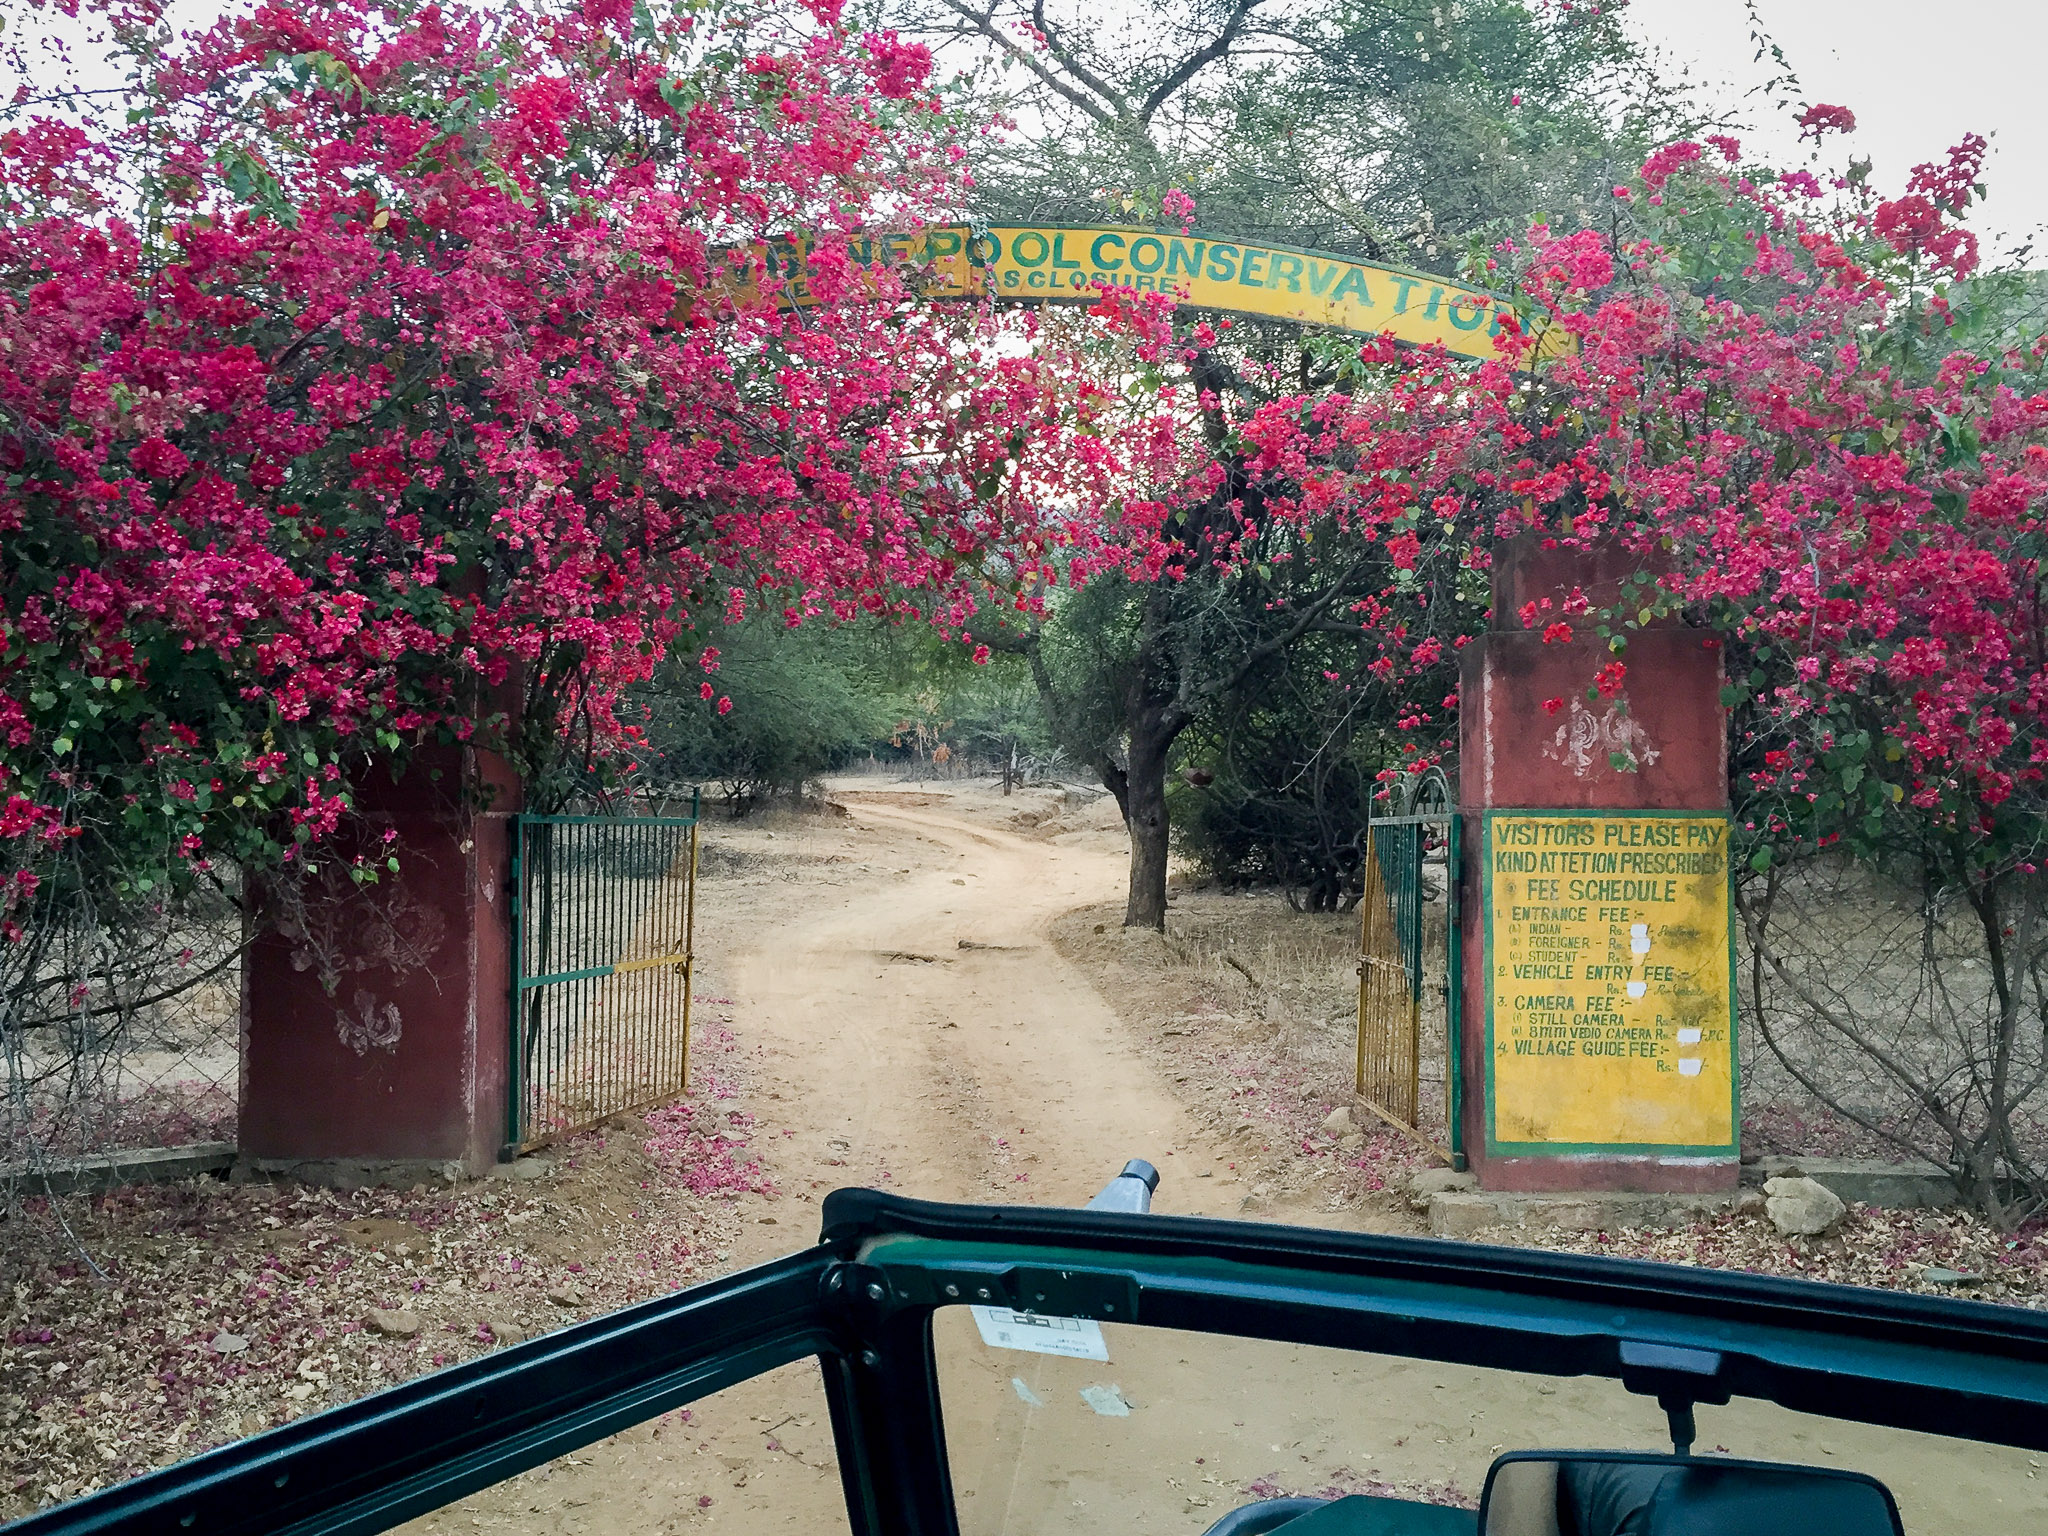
(1055, 263)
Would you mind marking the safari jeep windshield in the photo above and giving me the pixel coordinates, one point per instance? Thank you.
(985, 1369)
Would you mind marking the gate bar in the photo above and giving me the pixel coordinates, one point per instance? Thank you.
(1449, 818)
(601, 925)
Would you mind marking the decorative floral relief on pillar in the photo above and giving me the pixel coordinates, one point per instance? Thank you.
(368, 1024)
(1613, 739)
(380, 932)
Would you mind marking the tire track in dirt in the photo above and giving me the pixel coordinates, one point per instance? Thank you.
(872, 1018)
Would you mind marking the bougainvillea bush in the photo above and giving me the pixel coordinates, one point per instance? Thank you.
(1839, 442)
(376, 375)
(1806, 412)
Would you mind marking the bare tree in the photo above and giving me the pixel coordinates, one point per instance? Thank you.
(1910, 1001)
(1388, 127)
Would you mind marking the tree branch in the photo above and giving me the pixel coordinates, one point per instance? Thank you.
(1073, 66)
(983, 24)
(1192, 65)
(1307, 619)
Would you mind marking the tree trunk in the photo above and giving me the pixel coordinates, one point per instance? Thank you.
(1153, 718)
(1144, 808)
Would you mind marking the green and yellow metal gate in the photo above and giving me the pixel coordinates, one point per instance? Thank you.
(603, 923)
(1408, 973)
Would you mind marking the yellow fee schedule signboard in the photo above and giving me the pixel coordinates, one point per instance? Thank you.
(1609, 984)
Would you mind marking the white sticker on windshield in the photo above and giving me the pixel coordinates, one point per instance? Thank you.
(1077, 1338)
(1108, 1401)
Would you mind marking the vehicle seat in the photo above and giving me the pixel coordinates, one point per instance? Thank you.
(1526, 1504)
(1266, 1515)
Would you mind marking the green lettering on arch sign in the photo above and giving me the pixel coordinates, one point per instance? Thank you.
(1050, 263)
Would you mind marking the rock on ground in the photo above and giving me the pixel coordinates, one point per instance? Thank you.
(1802, 1207)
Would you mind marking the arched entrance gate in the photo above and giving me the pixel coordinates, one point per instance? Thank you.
(544, 1013)
(602, 942)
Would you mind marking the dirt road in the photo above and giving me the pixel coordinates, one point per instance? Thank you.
(910, 1026)
(934, 1040)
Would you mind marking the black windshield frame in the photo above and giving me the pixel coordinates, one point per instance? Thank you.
(862, 1303)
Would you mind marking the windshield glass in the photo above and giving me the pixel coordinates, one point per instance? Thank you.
(1169, 1431)
(756, 1457)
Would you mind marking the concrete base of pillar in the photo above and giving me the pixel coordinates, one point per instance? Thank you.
(350, 1173)
(1477, 1212)
(1613, 1173)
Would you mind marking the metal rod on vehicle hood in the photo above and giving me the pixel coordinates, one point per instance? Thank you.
(1130, 1190)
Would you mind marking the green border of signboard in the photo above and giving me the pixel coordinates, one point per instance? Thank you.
(1733, 1146)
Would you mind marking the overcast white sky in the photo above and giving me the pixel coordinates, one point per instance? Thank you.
(1917, 75)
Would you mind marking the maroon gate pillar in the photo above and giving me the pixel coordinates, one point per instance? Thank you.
(376, 1018)
(1598, 1031)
